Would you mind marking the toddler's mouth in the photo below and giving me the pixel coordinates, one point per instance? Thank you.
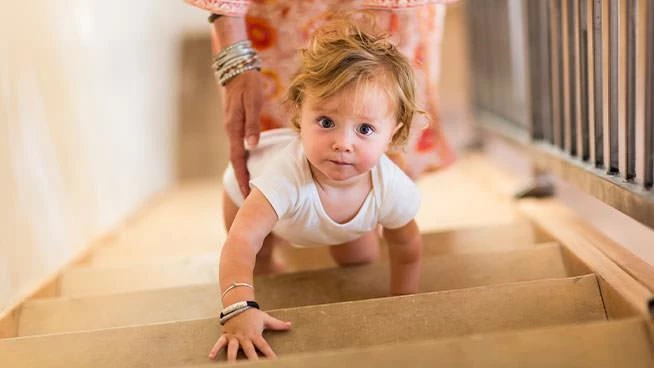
(340, 163)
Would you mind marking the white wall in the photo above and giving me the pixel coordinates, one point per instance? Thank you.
(88, 93)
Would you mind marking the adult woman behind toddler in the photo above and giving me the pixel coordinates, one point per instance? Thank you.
(279, 28)
(327, 181)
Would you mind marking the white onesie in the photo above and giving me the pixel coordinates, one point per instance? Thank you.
(280, 170)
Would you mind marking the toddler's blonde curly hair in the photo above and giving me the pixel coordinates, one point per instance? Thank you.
(347, 51)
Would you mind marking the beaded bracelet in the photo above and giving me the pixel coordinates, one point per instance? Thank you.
(226, 78)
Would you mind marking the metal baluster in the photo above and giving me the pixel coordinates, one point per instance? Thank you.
(546, 70)
(598, 81)
(583, 73)
(537, 66)
(487, 39)
(649, 100)
(614, 23)
(630, 131)
(559, 123)
(572, 77)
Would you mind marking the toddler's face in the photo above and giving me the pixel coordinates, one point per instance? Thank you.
(344, 135)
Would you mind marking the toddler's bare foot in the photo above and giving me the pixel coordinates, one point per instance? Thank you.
(269, 266)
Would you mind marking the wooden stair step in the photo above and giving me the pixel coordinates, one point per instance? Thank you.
(288, 290)
(186, 214)
(484, 238)
(83, 281)
(619, 343)
(138, 251)
(476, 239)
(79, 282)
(444, 192)
(441, 314)
(356, 324)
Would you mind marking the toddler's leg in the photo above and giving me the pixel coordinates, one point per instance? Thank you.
(268, 262)
(360, 251)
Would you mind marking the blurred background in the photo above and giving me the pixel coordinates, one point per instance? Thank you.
(90, 122)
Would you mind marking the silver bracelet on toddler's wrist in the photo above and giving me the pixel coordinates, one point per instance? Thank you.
(236, 309)
(234, 285)
(226, 318)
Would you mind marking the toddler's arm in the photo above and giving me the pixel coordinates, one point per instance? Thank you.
(253, 222)
(405, 249)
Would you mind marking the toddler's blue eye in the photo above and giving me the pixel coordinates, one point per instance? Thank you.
(366, 129)
(325, 123)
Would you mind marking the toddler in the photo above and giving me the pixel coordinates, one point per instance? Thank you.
(327, 181)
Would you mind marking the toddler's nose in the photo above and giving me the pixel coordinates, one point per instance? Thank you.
(342, 141)
(342, 147)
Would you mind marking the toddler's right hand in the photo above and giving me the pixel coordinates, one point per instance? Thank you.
(245, 331)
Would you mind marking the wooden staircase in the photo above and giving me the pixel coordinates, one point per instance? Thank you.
(504, 284)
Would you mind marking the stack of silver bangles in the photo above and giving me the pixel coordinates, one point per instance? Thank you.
(234, 60)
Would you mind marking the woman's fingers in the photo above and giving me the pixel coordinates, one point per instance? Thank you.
(238, 157)
(237, 152)
(216, 348)
(272, 323)
(264, 347)
(242, 111)
(252, 107)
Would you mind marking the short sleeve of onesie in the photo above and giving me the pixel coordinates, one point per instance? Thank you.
(279, 183)
(400, 197)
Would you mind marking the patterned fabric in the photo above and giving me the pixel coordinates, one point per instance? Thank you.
(240, 7)
(278, 29)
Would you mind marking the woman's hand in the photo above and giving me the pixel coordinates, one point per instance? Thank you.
(245, 332)
(242, 101)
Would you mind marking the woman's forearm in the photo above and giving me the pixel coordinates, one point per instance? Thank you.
(228, 30)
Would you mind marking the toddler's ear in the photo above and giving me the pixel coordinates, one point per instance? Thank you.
(397, 128)
(389, 145)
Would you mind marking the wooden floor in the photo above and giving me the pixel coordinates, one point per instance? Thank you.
(504, 284)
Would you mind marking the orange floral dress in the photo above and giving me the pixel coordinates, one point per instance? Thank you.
(278, 29)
